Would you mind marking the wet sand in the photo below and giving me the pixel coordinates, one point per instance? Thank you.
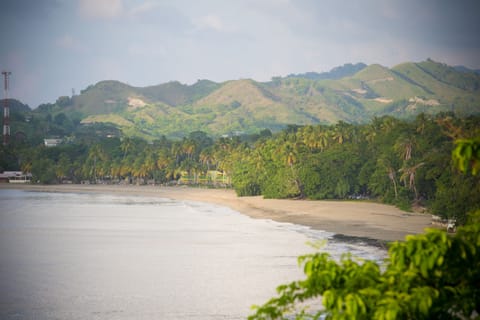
(347, 219)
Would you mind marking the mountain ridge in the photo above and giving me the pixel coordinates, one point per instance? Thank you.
(350, 93)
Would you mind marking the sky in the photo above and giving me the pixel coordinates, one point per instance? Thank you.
(55, 47)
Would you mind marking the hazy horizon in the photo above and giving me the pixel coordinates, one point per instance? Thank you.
(54, 46)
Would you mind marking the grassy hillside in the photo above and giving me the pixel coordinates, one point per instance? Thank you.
(453, 90)
(174, 109)
(336, 73)
(175, 94)
(104, 97)
(387, 84)
(467, 80)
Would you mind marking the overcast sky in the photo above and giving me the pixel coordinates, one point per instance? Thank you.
(54, 46)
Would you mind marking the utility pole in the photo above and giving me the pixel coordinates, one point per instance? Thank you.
(6, 110)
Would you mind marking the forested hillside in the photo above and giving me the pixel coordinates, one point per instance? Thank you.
(351, 93)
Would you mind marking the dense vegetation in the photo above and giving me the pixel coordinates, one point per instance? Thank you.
(395, 161)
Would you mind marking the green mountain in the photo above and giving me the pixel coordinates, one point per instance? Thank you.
(352, 93)
(346, 70)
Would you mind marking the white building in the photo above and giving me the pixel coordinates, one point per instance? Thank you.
(15, 177)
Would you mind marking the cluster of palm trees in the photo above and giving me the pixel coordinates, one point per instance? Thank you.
(395, 160)
(390, 159)
(135, 160)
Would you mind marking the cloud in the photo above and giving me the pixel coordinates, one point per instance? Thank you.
(70, 43)
(146, 50)
(145, 7)
(210, 21)
(101, 9)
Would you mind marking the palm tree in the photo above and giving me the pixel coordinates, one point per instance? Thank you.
(315, 138)
(139, 170)
(149, 163)
(189, 147)
(96, 154)
(390, 170)
(126, 169)
(177, 152)
(207, 157)
(391, 176)
(126, 145)
(388, 123)
(163, 159)
(115, 169)
(289, 151)
(370, 131)
(341, 132)
(26, 166)
(404, 147)
(421, 123)
(409, 172)
(63, 167)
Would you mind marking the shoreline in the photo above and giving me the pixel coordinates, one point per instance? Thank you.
(350, 221)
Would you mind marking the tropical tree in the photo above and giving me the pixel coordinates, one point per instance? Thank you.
(466, 155)
(290, 152)
(126, 145)
(64, 167)
(408, 173)
(207, 157)
(341, 132)
(96, 155)
(189, 147)
(43, 171)
(404, 147)
(385, 167)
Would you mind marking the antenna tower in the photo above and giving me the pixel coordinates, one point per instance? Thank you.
(6, 110)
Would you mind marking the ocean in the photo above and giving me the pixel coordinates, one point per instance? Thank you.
(97, 256)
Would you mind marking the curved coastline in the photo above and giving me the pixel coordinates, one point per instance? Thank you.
(371, 222)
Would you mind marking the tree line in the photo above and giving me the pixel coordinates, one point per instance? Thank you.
(395, 161)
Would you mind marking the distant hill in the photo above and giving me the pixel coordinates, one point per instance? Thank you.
(175, 94)
(352, 93)
(466, 70)
(15, 106)
(346, 70)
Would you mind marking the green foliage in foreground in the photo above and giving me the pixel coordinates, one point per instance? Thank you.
(467, 154)
(429, 276)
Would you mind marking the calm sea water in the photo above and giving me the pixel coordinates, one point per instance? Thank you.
(94, 256)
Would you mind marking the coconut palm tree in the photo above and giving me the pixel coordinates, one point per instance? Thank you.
(341, 132)
(207, 157)
(409, 173)
(96, 155)
(404, 147)
(289, 152)
(390, 171)
(126, 145)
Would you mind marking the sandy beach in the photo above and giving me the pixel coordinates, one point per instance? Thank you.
(348, 218)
